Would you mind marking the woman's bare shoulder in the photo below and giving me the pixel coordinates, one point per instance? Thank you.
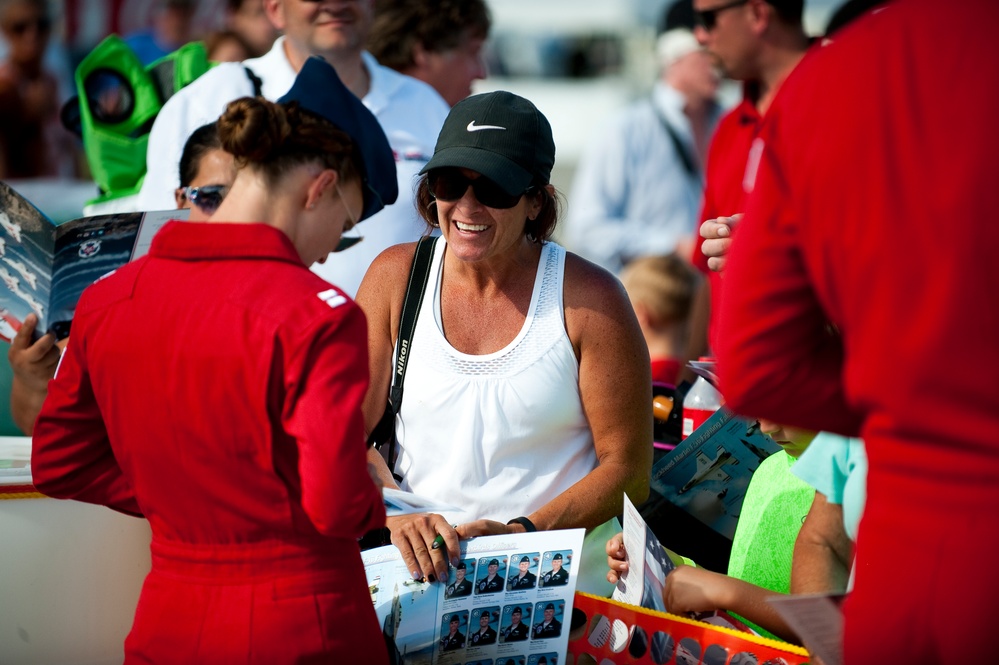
(394, 256)
(590, 286)
(388, 273)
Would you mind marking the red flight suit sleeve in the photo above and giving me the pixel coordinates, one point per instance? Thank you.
(777, 356)
(327, 380)
(71, 455)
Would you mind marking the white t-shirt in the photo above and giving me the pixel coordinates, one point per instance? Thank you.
(410, 112)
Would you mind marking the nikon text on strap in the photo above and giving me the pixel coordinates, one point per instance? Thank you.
(419, 275)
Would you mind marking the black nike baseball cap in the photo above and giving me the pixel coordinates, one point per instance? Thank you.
(499, 135)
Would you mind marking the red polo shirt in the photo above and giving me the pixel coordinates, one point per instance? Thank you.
(725, 185)
(872, 211)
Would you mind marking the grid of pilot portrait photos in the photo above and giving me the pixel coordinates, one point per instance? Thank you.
(506, 608)
(507, 598)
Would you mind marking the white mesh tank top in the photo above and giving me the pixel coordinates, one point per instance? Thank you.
(496, 435)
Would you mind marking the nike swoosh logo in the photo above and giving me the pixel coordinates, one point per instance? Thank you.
(472, 127)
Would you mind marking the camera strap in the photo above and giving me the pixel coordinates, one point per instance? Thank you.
(419, 275)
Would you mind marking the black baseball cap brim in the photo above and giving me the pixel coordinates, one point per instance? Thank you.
(500, 135)
(504, 172)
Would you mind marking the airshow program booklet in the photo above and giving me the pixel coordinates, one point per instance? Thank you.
(44, 267)
(509, 600)
(649, 563)
(707, 473)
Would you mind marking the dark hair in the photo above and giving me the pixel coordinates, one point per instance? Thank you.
(538, 229)
(789, 11)
(679, 14)
(436, 25)
(200, 143)
(274, 138)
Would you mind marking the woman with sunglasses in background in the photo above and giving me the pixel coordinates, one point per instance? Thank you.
(206, 174)
(214, 386)
(527, 396)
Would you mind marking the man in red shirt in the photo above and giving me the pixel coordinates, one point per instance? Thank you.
(863, 308)
(758, 42)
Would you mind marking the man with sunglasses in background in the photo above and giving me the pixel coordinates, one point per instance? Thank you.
(638, 188)
(758, 42)
(411, 113)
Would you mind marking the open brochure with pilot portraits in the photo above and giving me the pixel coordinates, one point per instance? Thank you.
(708, 473)
(649, 564)
(508, 600)
(44, 267)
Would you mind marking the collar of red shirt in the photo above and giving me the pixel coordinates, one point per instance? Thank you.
(206, 240)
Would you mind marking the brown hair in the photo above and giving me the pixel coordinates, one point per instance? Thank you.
(214, 40)
(436, 25)
(274, 138)
(538, 229)
(664, 285)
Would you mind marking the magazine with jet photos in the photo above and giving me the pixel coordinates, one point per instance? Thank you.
(509, 598)
(44, 267)
(708, 473)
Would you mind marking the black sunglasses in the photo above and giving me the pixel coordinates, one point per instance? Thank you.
(708, 18)
(449, 184)
(206, 197)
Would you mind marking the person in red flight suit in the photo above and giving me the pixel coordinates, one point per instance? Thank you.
(758, 42)
(214, 387)
(864, 306)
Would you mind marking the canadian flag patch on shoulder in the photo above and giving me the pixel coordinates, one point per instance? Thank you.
(332, 297)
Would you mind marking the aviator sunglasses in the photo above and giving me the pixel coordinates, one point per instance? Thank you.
(708, 18)
(206, 197)
(449, 184)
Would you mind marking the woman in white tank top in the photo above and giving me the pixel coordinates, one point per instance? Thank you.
(528, 390)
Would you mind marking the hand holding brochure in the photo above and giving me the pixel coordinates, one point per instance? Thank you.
(495, 606)
(45, 267)
(649, 565)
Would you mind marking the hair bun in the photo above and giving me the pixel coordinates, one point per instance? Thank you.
(253, 129)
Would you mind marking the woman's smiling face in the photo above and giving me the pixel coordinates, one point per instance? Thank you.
(475, 232)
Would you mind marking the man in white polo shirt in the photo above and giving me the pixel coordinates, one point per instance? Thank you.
(411, 114)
